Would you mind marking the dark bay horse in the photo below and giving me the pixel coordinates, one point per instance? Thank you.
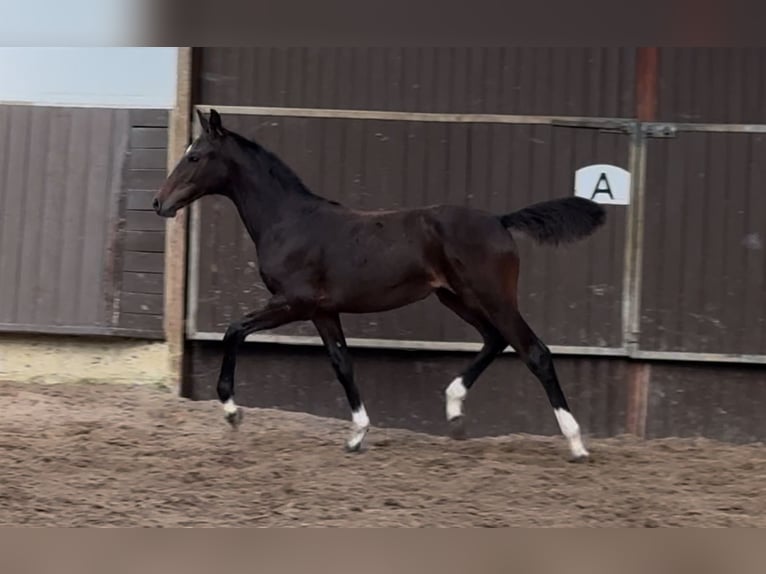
(319, 259)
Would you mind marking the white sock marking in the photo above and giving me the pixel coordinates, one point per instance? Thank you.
(455, 393)
(229, 407)
(571, 430)
(360, 418)
(361, 423)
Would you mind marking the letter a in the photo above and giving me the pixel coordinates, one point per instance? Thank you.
(605, 189)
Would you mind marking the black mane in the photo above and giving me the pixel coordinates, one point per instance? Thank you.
(274, 168)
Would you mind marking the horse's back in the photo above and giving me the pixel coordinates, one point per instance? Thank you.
(470, 228)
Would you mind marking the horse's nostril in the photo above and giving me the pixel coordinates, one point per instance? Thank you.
(156, 204)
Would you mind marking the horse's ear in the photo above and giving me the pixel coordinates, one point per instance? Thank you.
(203, 122)
(216, 127)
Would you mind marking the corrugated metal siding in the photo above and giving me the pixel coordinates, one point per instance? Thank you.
(61, 180)
(570, 296)
(540, 81)
(722, 402)
(406, 389)
(704, 277)
(712, 85)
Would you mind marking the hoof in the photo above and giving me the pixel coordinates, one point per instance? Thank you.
(356, 442)
(457, 428)
(234, 419)
(579, 459)
(353, 447)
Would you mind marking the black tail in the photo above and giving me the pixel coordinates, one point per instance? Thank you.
(557, 221)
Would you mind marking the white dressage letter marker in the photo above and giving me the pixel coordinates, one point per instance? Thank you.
(603, 183)
(455, 393)
(571, 430)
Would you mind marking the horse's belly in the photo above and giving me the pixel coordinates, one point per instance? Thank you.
(384, 300)
(381, 289)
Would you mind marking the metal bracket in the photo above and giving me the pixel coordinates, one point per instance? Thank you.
(660, 130)
(607, 126)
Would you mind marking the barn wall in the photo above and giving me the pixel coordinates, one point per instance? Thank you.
(78, 253)
(405, 389)
(142, 260)
(62, 181)
(593, 82)
(723, 402)
(712, 85)
(697, 222)
(703, 279)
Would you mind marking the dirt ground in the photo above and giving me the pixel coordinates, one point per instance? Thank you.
(98, 455)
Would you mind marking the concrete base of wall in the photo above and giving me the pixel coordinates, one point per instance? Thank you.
(57, 359)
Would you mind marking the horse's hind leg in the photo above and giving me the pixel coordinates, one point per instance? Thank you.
(330, 330)
(538, 359)
(494, 343)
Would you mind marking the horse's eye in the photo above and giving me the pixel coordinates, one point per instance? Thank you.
(193, 158)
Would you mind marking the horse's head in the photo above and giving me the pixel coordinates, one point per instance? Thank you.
(203, 169)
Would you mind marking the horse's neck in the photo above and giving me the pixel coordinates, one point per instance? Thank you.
(264, 207)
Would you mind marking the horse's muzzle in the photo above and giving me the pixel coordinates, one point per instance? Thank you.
(163, 211)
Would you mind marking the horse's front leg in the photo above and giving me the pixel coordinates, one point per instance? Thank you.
(276, 313)
(330, 330)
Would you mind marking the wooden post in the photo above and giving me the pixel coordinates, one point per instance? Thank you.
(639, 373)
(176, 228)
(639, 377)
(647, 60)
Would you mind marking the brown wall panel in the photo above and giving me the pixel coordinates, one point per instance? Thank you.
(541, 81)
(703, 276)
(723, 402)
(140, 200)
(149, 138)
(143, 220)
(146, 303)
(139, 282)
(75, 219)
(571, 295)
(712, 85)
(145, 325)
(139, 261)
(148, 159)
(146, 241)
(144, 179)
(142, 263)
(61, 180)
